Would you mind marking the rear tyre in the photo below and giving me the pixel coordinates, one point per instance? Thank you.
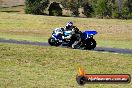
(90, 44)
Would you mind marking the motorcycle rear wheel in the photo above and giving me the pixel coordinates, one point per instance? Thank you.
(90, 44)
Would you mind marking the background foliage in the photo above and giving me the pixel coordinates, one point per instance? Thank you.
(91, 8)
(36, 7)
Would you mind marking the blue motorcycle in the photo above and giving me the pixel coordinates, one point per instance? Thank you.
(60, 37)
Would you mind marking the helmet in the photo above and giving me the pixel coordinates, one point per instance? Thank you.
(69, 25)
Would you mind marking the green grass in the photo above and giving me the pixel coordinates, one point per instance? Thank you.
(23, 37)
(111, 32)
(53, 67)
(115, 44)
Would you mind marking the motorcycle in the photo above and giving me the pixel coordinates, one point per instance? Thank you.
(66, 38)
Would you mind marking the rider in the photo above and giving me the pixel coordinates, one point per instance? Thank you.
(75, 32)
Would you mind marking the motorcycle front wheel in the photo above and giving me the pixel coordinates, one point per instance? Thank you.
(53, 42)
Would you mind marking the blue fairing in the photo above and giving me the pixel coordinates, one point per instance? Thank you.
(89, 33)
(57, 37)
(67, 33)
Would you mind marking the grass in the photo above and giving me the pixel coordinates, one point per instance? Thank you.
(111, 32)
(23, 37)
(14, 9)
(28, 66)
(53, 67)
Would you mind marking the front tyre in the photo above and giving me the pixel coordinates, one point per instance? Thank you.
(90, 44)
(51, 41)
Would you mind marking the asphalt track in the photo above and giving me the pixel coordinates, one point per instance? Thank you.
(100, 49)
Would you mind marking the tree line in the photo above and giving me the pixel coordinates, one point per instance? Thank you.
(91, 8)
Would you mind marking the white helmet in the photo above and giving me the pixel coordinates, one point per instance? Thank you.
(69, 25)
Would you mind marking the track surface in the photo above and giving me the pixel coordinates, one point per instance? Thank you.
(101, 49)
